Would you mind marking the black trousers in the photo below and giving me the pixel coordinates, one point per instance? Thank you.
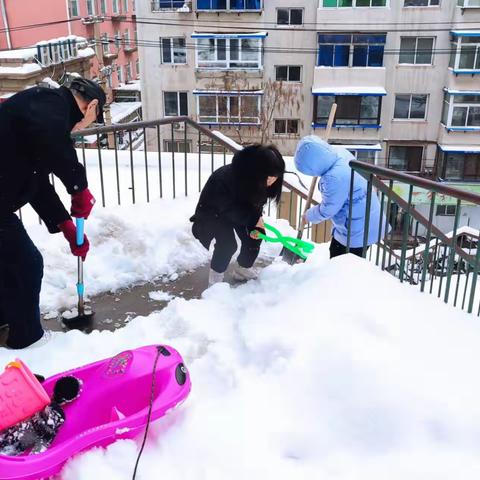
(226, 246)
(21, 272)
(337, 249)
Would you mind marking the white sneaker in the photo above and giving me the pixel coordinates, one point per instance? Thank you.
(214, 277)
(47, 336)
(242, 274)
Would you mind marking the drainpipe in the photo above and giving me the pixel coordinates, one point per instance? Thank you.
(69, 24)
(5, 22)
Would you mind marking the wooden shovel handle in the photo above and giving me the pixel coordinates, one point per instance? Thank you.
(331, 119)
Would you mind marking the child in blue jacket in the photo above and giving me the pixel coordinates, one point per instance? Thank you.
(317, 158)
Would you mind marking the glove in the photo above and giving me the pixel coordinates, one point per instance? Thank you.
(82, 204)
(69, 231)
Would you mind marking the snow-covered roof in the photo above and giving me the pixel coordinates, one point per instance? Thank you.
(460, 148)
(333, 90)
(18, 53)
(25, 69)
(121, 110)
(132, 86)
(85, 52)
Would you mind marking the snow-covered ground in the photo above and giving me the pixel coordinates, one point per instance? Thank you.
(329, 369)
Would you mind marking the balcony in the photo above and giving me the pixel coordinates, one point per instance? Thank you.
(92, 19)
(119, 17)
(110, 56)
(130, 48)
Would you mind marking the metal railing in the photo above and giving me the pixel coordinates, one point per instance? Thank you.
(415, 249)
(170, 174)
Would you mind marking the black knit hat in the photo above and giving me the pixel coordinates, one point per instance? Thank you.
(90, 90)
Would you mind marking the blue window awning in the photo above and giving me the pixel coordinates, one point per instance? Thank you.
(230, 93)
(229, 35)
(460, 148)
(358, 91)
(466, 33)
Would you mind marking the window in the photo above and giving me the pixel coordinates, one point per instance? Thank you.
(286, 127)
(126, 38)
(177, 146)
(446, 210)
(354, 3)
(173, 50)
(137, 67)
(233, 5)
(461, 111)
(351, 50)
(367, 156)
(90, 8)
(422, 3)
(468, 3)
(416, 50)
(73, 8)
(288, 73)
(128, 72)
(352, 110)
(118, 39)
(460, 166)
(115, 6)
(119, 74)
(465, 54)
(103, 6)
(105, 44)
(242, 108)
(412, 107)
(176, 103)
(289, 16)
(405, 158)
(125, 6)
(231, 53)
(167, 4)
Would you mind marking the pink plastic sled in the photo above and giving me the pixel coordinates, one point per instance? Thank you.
(113, 405)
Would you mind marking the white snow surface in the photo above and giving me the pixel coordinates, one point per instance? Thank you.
(329, 369)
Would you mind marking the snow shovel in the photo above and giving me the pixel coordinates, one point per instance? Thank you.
(83, 317)
(288, 255)
(297, 246)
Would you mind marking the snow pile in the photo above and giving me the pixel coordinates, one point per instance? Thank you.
(329, 369)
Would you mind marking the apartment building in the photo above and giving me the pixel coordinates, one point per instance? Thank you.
(404, 73)
(109, 22)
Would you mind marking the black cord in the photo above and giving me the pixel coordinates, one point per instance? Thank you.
(149, 413)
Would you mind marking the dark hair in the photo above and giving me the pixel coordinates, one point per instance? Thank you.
(252, 166)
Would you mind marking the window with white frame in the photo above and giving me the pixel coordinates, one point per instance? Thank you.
(119, 74)
(216, 53)
(128, 72)
(461, 110)
(115, 5)
(90, 7)
(177, 146)
(289, 16)
(126, 38)
(241, 108)
(103, 6)
(118, 38)
(229, 5)
(351, 49)
(411, 107)
(288, 73)
(421, 3)
(416, 50)
(367, 156)
(105, 44)
(174, 50)
(125, 6)
(137, 67)
(352, 110)
(469, 3)
(466, 53)
(286, 126)
(458, 166)
(175, 103)
(73, 10)
(353, 3)
(446, 210)
(167, 4)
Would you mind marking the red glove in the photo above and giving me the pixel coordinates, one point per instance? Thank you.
(69, 231)
(82, 204)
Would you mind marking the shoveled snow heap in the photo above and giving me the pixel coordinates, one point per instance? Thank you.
(330, 369)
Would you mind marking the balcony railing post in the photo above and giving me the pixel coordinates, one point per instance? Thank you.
(186, 156)
(146, 168)
(366, 228)
(350, 209)
(159, 147)
(132, 173)
(451, 257)
(427, 243)
(406, 222)
(100, 166)
(173, 159)
(117, 171)
(199, 161)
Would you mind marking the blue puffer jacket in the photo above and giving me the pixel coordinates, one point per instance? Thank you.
(317, 158)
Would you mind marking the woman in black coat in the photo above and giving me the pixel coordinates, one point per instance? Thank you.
(232, 202)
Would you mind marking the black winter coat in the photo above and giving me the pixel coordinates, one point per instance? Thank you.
(222, 200)
(35, 127)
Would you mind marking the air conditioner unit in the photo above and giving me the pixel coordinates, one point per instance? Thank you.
(180, 126)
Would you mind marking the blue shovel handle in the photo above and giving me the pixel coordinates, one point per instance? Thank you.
(80, 286)
(80, 230)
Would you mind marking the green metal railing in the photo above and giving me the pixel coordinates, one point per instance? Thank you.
(415, 249)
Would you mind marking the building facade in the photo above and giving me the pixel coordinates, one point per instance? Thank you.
(110, 24)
